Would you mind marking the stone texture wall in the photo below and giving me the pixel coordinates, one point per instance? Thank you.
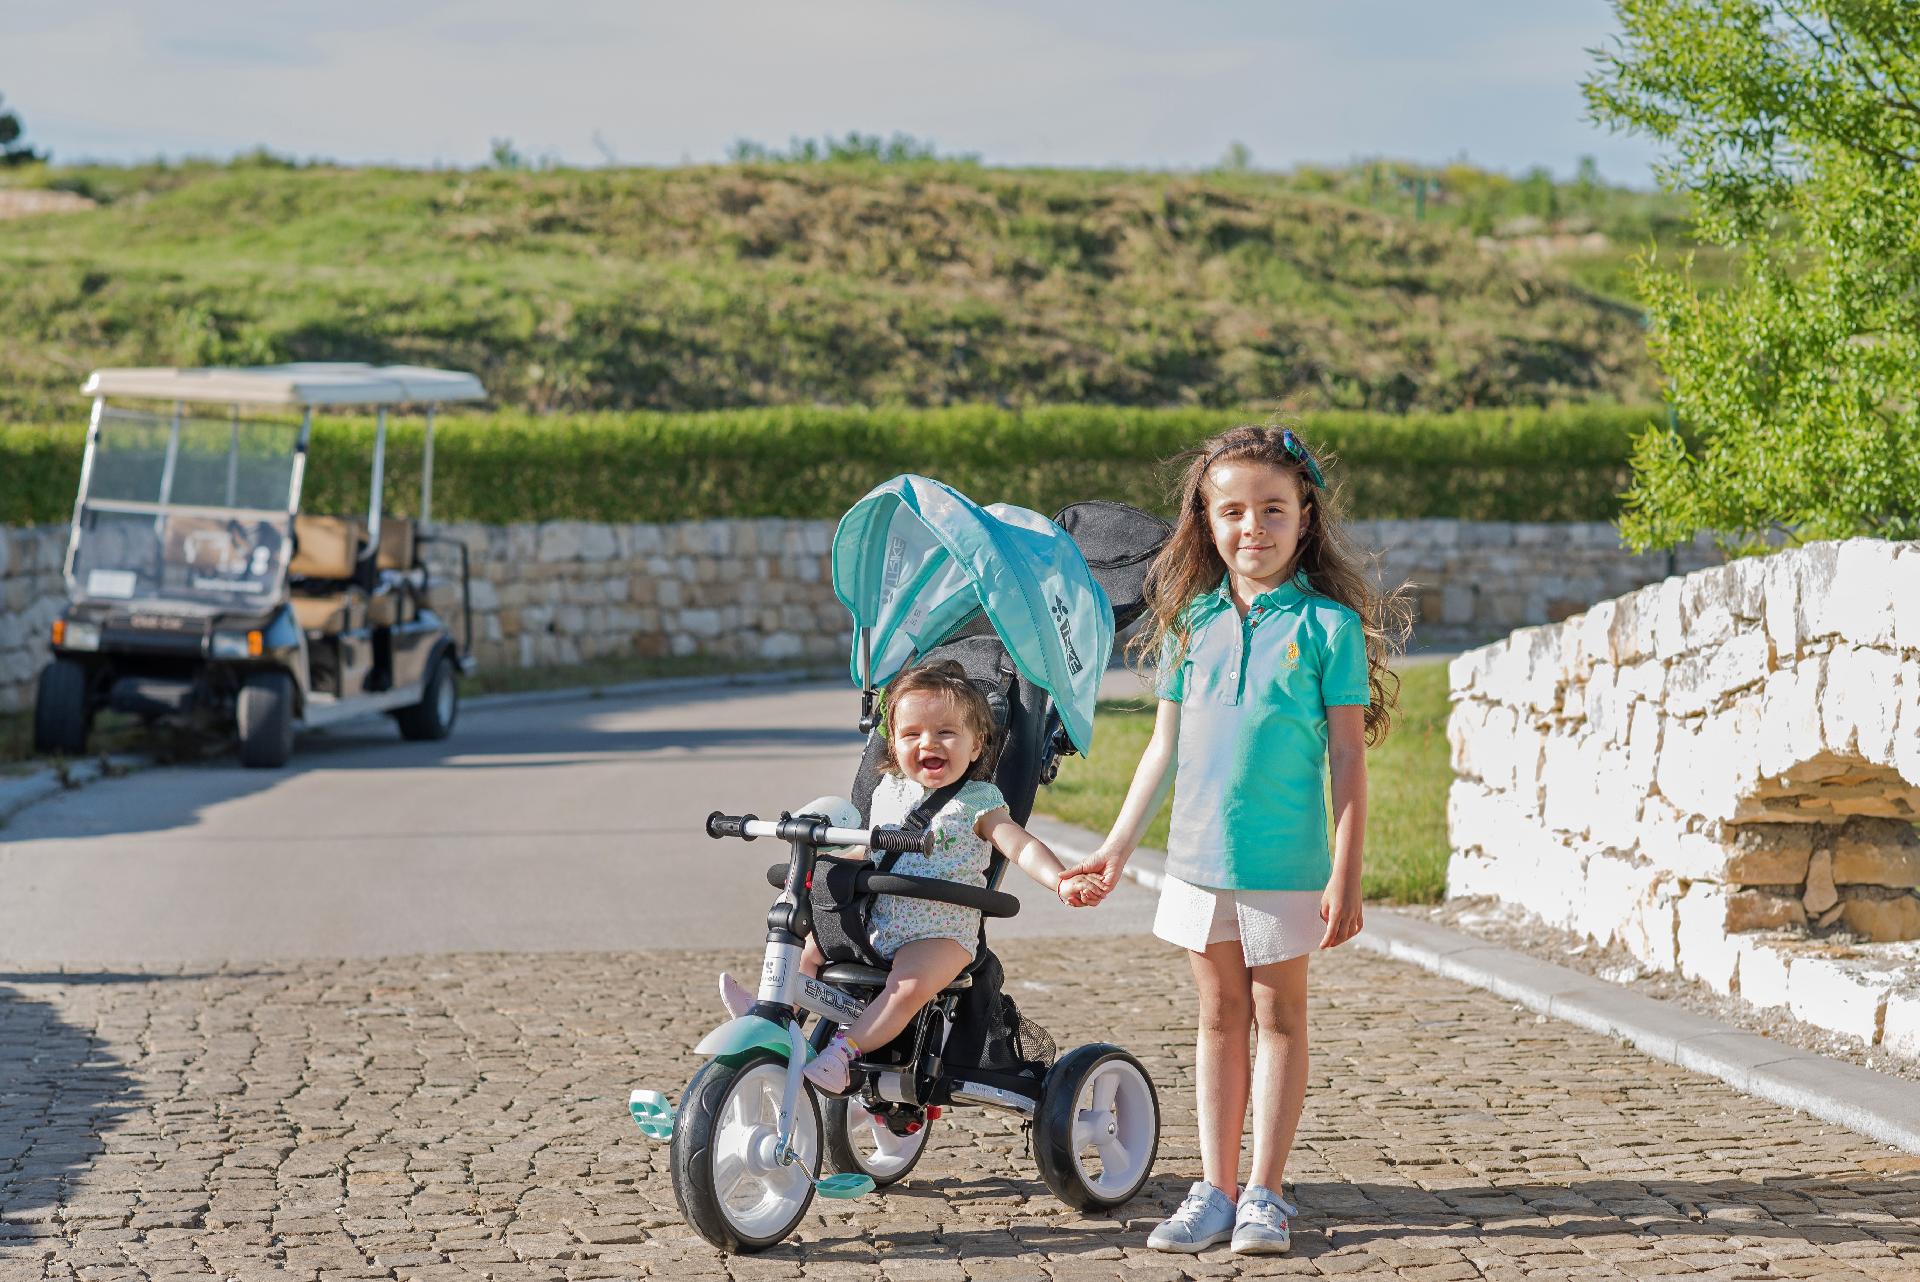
(567, 591)
(1709, 764)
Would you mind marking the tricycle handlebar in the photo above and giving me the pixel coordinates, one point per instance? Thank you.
(817, 832)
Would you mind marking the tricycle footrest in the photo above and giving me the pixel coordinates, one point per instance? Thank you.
(652, 1113)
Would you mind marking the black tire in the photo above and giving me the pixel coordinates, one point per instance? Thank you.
(847, 1151)
(62, 716)
(703, 1112)
(1137, 1128)
(439, 706)
(265, 714)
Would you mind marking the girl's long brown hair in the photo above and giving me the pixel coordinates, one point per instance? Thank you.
(1189, 566)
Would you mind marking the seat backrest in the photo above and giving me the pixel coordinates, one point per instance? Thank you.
(327, 546)
(396, 544)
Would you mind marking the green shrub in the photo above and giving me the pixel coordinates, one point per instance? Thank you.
(1504, 465)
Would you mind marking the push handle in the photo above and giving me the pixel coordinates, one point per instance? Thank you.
(817, 833)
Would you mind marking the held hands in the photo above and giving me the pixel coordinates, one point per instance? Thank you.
(1087, 883)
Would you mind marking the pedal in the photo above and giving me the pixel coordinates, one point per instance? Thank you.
(653, 1114)
(850, 1184)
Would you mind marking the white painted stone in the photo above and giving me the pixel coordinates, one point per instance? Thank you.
(1765, 965)
(1859, 606)
(1903, 588)
(1901, 1031)
(1857, 709)
(1708, 952)
(1845, 996)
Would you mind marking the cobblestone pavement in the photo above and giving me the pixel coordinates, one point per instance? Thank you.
(465, 1117)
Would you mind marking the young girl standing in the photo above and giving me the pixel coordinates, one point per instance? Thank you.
(1272, 650)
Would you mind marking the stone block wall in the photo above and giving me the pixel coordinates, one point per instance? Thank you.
(1704, 765)
(567, 591)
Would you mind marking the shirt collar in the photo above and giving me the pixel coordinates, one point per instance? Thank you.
(1277, 597)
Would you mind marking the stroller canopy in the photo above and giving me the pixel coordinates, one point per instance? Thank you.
(915, 561)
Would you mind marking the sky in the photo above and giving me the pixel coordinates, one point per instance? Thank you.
(1134, 83)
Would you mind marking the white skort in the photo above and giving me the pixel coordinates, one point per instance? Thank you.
(1271, 925)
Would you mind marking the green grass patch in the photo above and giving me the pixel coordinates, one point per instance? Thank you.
(710, 287)
(1407, 781)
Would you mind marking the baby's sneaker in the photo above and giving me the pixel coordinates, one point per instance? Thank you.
(829, 1071)
(1260, 1226)
(736, 999)
(1205, 1219)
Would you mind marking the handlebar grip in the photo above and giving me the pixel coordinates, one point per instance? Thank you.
(912, 843)
(719, 825)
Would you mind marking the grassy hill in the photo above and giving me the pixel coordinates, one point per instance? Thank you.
(709, 287)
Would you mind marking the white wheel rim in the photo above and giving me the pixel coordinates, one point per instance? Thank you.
(443, 701)
(1114, 1128)
(878, 1151)
(757, 1193)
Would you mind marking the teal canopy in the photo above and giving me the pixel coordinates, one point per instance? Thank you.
(915, 561)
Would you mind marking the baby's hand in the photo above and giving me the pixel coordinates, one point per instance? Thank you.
(1081, 891)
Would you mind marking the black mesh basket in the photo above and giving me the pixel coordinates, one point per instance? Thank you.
(989, 1032)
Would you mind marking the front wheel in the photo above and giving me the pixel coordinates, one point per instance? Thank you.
(433, 716)
(727, 1174)
(1097, 1129)
(860, 1142)
(61, 717)
(265, 715)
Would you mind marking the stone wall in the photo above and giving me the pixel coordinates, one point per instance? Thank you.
(1707, 767)
(567, 591)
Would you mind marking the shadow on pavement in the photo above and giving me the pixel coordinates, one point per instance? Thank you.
(1519, 1219)
(60, 1093)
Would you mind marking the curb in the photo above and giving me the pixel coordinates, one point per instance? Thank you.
(1878, 1106)
(18, 793)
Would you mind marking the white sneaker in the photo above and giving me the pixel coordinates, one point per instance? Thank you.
(736, 999)
(830, 1070)
(1260, 1226)
(1205, 1219)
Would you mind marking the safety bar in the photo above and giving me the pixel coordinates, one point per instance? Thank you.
(988, 903)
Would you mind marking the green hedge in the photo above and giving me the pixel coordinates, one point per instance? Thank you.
(1499, 465)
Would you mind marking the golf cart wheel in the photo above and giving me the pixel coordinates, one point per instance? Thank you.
(727, 1176)
(266, 719)
(861, 1143)
(61, 717)
(1097, 1129)
(433, 716)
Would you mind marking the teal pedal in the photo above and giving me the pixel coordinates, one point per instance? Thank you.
(653, 1114)
(847, 1185)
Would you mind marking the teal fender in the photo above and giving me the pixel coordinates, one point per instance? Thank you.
(737, 1038)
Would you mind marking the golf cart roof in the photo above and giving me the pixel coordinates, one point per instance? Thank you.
(312, 383)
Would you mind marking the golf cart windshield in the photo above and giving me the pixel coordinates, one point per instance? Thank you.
(176, 508)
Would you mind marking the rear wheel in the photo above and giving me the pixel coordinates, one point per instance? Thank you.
(727, 1174)
(1097, 1129)
(860, 1142)
(265, 713)
(61, 715)
(439, 706)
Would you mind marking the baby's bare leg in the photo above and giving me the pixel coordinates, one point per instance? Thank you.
(920, 970)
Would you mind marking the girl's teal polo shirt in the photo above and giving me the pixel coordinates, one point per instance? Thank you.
(1249, 794)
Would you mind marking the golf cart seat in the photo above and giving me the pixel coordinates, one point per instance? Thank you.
(320, 576)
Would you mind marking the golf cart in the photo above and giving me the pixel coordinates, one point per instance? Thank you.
(199, 592)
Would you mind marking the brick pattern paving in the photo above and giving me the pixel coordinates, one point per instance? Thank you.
(465, 1117)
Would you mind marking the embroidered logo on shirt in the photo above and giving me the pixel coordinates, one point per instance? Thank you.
(1293, 654)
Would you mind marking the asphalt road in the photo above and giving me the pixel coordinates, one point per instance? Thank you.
(552, 827)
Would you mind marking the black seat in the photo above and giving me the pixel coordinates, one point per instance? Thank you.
(853, 974)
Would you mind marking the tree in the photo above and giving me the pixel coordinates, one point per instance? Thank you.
(1795, 126)
(12, 150)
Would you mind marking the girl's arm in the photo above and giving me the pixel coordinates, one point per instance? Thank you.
(1340, 904)
(1152, 781)
(1035, 857)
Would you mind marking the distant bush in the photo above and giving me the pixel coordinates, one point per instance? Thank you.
(1499, 465)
